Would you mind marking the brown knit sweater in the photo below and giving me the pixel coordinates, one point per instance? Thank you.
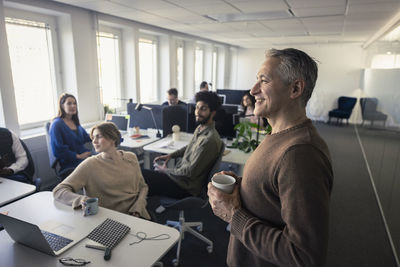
(285, 195)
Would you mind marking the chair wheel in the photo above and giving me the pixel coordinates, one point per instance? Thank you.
(210, 249)
(175, 262)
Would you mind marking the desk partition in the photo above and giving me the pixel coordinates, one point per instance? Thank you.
(143, 118)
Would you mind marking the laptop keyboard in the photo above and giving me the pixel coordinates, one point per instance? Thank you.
(56, 242)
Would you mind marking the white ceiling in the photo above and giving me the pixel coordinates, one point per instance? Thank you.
(257, 23)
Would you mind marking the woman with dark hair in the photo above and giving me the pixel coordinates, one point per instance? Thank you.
(113, 176)
(248, 104)
(67, 135)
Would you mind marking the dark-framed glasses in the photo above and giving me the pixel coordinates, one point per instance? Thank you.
(73, 262)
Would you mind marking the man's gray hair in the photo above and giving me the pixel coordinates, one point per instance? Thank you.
(296, 65)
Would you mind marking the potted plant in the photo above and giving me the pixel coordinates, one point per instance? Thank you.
(246, 139)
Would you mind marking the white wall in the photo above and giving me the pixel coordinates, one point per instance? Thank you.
(340, 74)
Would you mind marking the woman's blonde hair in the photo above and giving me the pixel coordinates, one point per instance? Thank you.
(109, 130)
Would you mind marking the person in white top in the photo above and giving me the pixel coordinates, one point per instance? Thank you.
(13, 158)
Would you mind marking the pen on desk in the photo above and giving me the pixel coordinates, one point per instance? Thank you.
(107, 251)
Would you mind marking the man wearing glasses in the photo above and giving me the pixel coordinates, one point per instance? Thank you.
(197, 158)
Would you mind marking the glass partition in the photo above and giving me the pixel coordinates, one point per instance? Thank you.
(379, 129)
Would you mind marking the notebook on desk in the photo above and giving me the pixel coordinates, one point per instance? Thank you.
(32, 236)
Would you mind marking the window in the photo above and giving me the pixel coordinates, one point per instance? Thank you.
(108, 51)
(386, 61)
(179, 68)
(198, 67)
(148, 70)
(33, 70)
(214, 70)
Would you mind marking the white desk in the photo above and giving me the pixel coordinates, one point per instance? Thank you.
(167, 146)
(39, 208)
(136, 143)
(11, 190)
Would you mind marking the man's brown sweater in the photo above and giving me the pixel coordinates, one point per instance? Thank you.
(285, 195)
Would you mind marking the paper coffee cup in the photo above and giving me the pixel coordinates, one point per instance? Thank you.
(224, 182)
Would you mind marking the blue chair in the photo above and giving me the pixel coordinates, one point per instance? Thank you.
(30, 169)
(54, 162)
(369, 112)
(345, 107)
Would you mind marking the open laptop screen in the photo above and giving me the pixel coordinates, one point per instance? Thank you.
(122, 121)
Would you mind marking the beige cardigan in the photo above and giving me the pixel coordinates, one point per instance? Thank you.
(118, 183)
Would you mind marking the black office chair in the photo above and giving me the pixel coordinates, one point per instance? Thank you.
(190, 203)
(174, 115)
(29, 171)
(54, 162)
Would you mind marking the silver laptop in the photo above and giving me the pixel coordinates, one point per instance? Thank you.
(31, 235)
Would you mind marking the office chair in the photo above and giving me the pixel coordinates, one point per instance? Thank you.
(30, 169)
(172, 115)
(369, 112)
(190, 203)
(344, 110)
(54, 162)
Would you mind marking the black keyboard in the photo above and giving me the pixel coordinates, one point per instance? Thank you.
(56, 242)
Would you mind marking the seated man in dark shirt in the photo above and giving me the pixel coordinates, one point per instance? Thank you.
(13, 159)
(197, 158)
(172, 96)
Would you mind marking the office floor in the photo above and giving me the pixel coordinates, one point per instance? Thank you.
(357, 234)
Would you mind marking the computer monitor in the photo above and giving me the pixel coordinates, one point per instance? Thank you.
(122, 121)
(232, 96)
(230, 108)
(222, 99)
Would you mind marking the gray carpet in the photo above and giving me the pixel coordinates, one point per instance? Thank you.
(357, 234)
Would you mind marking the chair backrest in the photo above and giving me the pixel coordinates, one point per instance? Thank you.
(172, 115)
(346, 103)
(217, 164)
(368, 104)
(30, 169)
(52, 158)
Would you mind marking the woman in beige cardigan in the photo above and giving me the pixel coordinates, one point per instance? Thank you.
(113, 176)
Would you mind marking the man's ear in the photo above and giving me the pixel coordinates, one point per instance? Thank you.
(213, 113)
(297, 89)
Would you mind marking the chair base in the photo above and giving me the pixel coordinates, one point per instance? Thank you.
(183, 227)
